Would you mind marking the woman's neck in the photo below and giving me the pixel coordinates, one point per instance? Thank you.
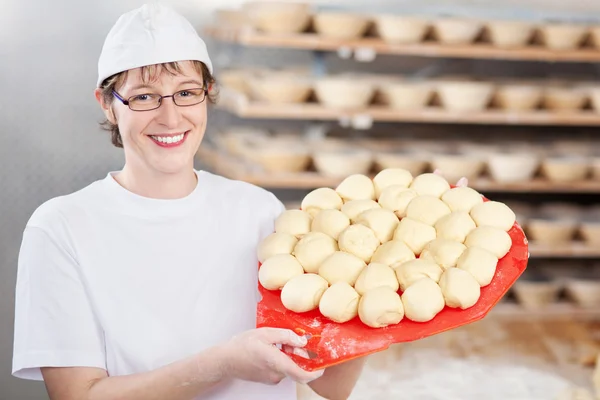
(157, 185)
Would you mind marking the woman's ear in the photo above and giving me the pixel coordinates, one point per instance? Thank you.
(107, 109)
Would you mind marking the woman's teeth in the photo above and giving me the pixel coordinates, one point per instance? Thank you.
(168, 139)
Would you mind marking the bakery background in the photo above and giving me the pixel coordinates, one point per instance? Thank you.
(541, 340)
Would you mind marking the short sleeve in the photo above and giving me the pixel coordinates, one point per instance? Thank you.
(55, 325)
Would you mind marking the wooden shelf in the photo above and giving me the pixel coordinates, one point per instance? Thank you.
(310, 41)
(239, 105)
(552, 311)
(564, 250)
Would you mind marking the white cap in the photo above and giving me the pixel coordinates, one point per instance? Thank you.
(151, 34)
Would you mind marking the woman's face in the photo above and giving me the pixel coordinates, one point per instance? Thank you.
(166, 139)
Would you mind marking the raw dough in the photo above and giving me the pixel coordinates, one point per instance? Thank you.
(376, 275)
(277, 270)
(303, 292)
(294, 222)
(382, 222)
(480, 263)
(392, 252)
(276, 243)
(360, 241)
(494, 213)
(356, 187)
(411, 272)
(339, 303)
(494, 240)
(460, 289)
(396, 198)
(415, 234)
(423, 300)
(341, 267)
(390, 177)
(313, 249)
(354, 208)
(427, 209)
(430, 184)
(330, 222)
(321, 199)
(443, 252)
(455, 226)
(462, 198)
(380, 307)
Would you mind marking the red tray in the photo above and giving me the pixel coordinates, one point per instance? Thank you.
(331, 343)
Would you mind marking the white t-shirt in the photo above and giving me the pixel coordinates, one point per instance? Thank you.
(113, 280)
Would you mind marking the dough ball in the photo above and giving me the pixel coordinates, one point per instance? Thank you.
(321, 199)
(392, 252)
(313, 249)
(462, 198)
(341, 267)
(390, 177)
(382, 222)
(356, 187)
(430, 184)
(494, 240)
(360, 241)
(354, 208)
(339, 303)
(410, 272)
(330, 222)
(294, 222)
(423, 300)
(376, 275)
(380, 307)
(493, 213)
(455, 226)
(396, 198)
(480, 263)
(443, 252)
(276, 243)
(460, 289)
(276, 271)
(427, 209)
(303, 293)
(415, 234)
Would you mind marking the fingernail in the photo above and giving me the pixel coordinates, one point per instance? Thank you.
(301, 340)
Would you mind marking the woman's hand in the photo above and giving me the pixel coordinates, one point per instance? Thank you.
(254, 356)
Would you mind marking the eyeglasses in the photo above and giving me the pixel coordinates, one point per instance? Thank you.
(151, 101)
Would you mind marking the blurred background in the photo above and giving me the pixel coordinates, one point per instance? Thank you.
(504, 92)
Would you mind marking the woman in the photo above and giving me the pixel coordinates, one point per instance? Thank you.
(143, 285)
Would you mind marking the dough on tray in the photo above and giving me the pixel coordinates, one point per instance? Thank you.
(393, 252)
(356, 187)
(423, 300)
(494, 213)
(427, 209)
(460, 289)
(303, 292)
(341, 267)
(430, 184)
(276, 243)
(443, 252)
(480, 263)
(410, 272)
(415, 234)
(396, 198)
(380, 307)
(360, 241)
(321, 199)
(391, 177)
(455, 226)
(294, 222)
(313, 249)
(462, 198)
(494, 240)
(339, 303)
(375, 275)
(354, 208)
(382, 222)
(331, 222)
(277, 270)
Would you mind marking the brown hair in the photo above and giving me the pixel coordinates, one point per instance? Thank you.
(150, 73)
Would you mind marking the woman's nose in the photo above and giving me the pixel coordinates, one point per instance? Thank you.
(169, 114)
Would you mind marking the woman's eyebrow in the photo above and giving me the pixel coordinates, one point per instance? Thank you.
(191, 81)
(142, 86)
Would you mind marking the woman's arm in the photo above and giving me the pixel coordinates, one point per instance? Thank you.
(338, 381)
(251, 356)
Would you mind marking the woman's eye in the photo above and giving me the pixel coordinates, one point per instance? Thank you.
(141, 97)
(185, 93)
